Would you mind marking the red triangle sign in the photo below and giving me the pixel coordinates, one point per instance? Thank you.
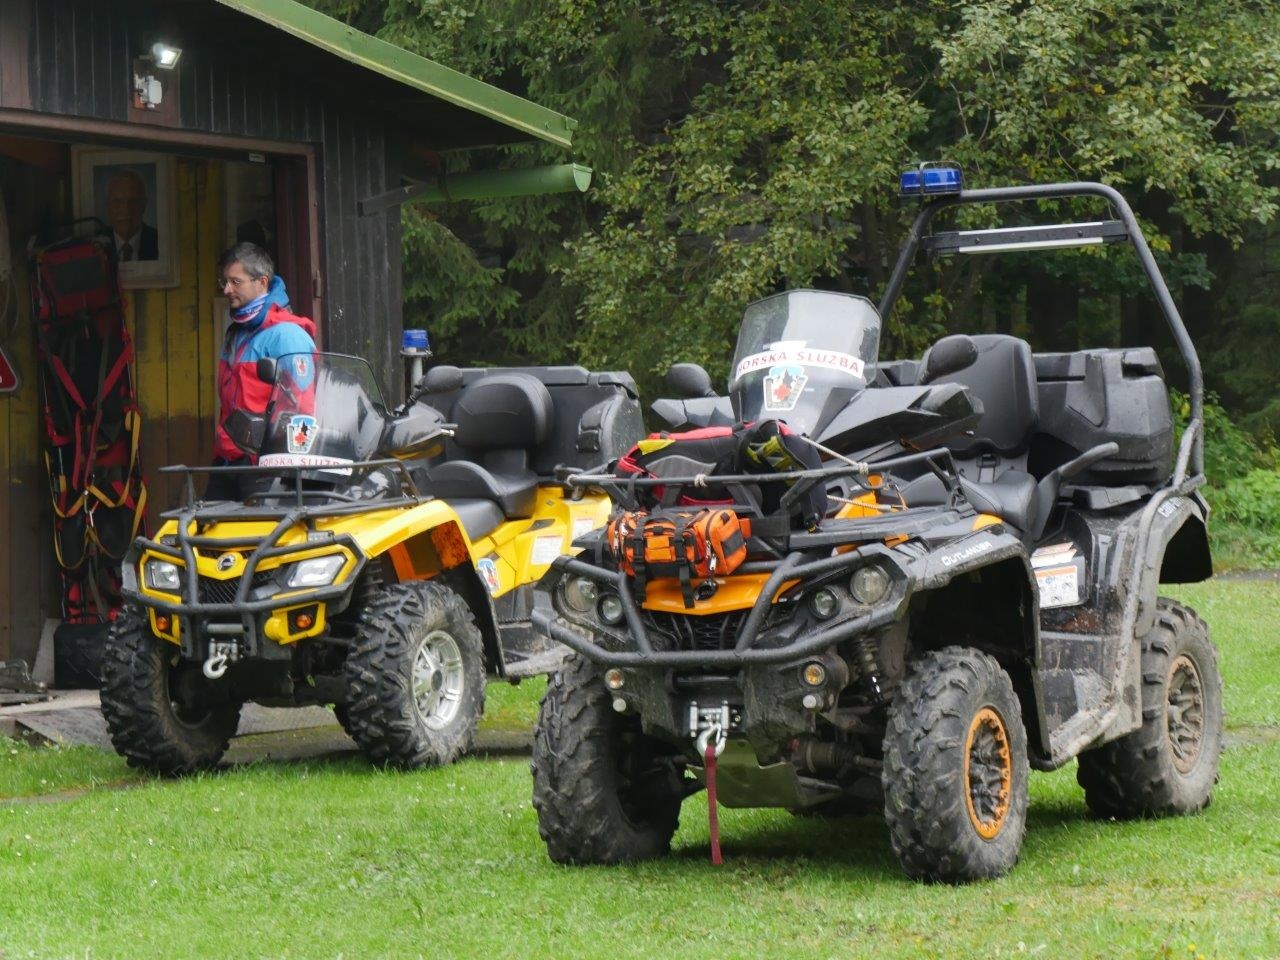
(8, 374)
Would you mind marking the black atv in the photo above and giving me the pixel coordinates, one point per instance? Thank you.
(981, 595)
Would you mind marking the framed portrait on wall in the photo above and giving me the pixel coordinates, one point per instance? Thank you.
(132, 193)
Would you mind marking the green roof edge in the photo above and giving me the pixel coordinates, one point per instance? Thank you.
(410, 69)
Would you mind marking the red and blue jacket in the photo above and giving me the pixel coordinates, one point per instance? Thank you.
(273, 332)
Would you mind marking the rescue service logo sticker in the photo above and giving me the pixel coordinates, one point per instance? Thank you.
(488, 571)
(301, 368)
(301, 433)
(795, 353)
(306, 460)
(782, 386)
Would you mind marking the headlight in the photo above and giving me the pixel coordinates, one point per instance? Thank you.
(162, 575)
(316, 572)
(824, 603)
(580, 594)
(869, 584)
(610, 609)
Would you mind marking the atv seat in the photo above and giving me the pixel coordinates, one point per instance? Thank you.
(499, 419)
(1012, 497)
(992, 461)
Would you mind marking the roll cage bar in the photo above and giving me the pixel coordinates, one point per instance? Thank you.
(1057, 236)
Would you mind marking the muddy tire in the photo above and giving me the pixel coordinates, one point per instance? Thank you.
(955, 769)
(153, 718)
(1168, 765)
(604, 792)
(415, 676)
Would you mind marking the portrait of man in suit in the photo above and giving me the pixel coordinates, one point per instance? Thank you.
(126, 201)
(132, 195)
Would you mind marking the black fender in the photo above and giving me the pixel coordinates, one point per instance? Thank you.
(980, 591)
(1176, 551)
(464, 580)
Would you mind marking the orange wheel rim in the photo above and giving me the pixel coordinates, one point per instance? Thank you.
(1184, 713)
(988, 773)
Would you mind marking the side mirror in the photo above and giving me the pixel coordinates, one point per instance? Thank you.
(266, 369)
(444, 379)
(949, 355)
(690, 381)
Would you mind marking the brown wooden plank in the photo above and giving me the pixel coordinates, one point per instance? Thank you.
(182, 330)
(150, 343)
(29, 529)
(6, 546)
(210, 307)
(15, 38)
(28, 570)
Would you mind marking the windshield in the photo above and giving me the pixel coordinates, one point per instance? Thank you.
(801, 355)
(325, 411)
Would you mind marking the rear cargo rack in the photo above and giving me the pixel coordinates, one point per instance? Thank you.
(1059, 235)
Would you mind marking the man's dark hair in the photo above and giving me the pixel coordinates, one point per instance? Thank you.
(256, 261)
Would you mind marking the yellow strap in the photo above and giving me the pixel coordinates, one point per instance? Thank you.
(652, 446)
(139, 510)
(57, 549)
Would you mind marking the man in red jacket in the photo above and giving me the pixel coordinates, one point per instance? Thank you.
(260, 326)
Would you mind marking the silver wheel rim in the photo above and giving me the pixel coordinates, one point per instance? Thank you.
(438, 679)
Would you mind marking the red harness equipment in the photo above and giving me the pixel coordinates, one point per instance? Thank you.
(91, 418)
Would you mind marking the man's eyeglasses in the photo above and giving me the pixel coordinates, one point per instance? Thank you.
(235, 283)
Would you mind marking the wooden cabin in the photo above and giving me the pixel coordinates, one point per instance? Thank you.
(276, 124)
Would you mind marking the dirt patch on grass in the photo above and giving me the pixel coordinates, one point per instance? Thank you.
(1251, 733)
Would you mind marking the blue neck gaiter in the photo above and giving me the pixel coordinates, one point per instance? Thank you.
(255, 311)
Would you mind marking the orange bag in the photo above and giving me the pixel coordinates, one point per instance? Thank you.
(678, 544)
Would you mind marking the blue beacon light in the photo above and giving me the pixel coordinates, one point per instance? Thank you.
(930, 181)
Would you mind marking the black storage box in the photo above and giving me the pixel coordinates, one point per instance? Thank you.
(1096, 396)
(597, 416)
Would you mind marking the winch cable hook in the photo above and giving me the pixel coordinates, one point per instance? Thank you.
(215, 666)
(711, 743)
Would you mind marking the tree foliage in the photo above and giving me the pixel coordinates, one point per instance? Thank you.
(743, 147)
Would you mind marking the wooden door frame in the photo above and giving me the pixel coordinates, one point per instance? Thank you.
(298, 255)
(298, 214)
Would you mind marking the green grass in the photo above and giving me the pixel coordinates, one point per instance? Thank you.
(329, 859)
(1236, 546)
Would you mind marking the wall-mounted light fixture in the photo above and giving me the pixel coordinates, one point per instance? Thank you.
(148, 91)
(165, 56)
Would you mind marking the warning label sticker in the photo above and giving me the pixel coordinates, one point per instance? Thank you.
(545, 549)
(1058, 586)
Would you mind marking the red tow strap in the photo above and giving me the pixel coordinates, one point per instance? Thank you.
(713, 818)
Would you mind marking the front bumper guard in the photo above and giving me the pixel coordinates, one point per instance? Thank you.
(241, 616)
(746, 650)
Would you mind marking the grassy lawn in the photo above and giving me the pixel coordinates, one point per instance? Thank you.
(333, 858)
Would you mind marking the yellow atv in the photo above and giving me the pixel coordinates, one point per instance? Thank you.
(378, 561)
